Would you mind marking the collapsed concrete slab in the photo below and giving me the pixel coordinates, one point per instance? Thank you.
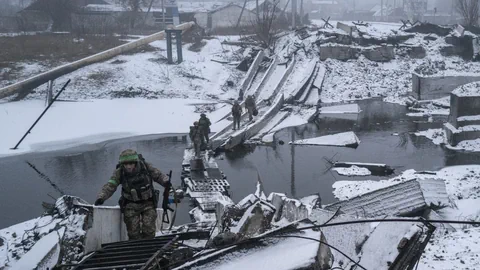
(347, 139)
(434, 87)
(464, 118)
(422, 195)
(373, 245)
(375, 168)
(269, 251)
(256, 220)
(379, 54)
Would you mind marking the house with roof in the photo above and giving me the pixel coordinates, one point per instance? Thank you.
(94, 16)
(225, 16)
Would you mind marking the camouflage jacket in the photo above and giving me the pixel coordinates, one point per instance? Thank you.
(196, 134)
(237, 110)
(204, 123)
(249, 102)
(116, 179)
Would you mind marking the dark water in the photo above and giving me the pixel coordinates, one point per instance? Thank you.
(295, 170)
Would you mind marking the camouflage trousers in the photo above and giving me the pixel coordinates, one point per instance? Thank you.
(236, 122)
(140, 220)
(197, 146)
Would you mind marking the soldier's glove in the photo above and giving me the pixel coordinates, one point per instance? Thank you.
(99, 201)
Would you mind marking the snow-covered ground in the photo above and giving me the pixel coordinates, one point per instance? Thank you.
(146, 74)
(457, 250)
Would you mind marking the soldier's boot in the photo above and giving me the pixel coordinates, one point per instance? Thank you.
(148, 223)
(132, 222)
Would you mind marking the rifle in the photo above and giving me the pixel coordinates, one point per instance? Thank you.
(166, 193)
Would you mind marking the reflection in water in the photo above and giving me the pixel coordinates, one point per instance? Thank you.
(297, 171)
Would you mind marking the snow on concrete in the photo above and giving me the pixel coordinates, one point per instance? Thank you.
(272, 82)
(468, 90)
(437, 135)
(276, 255)
(47, 246)
(296, 118)
(456, 250)
(469, 118)
(74, 123)
(467, 145)
(18, 238)
(339, 139)
(352, 171)
(346, 108)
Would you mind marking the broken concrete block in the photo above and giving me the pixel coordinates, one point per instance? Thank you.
(391, 200)
(433, 215)
(348, 238)
(347, 139)
(379, 54)
(324, 255)
(223, 239)
(277, 200)
(394, 245)
(293, 210)
(255, 220)
(270, 253)
(416, 52)
(347, 28)
(338, 52)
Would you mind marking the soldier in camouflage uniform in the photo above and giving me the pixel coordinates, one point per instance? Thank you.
(204, 124)
(196, 135)
(139, 198)
(236, 113)
(250, 106)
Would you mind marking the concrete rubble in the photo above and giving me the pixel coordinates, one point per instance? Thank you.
(258, 224)
(423, 194)
(464, 118)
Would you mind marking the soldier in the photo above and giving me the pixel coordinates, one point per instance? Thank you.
(204, 124)
(250, 106)
(197, 138)
(139, 199)
(237, 113)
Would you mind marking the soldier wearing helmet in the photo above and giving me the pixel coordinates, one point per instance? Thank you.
(197, 138)
(236, 113)
(204, 124)
(139, 198)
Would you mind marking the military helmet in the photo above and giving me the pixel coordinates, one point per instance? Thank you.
(128, 155)
(202, 115)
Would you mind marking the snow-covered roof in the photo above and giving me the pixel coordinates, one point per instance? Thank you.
(324, 2)
(186, 7)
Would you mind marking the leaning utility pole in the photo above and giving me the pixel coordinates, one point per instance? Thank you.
(381, 10)
(301, 12)
(294, 14)
(163, 14)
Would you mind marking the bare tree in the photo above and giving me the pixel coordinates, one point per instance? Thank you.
(266, 25)
(241, 13)
(134, 7)
(469, 10)
(60, 11)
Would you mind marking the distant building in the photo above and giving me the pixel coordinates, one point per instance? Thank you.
(225, 17)
(94, 16)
